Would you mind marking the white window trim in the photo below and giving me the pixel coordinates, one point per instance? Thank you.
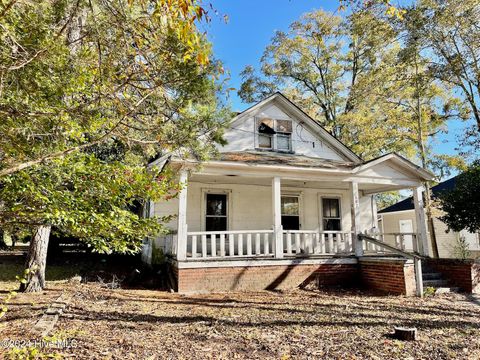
(298, 194)
(274, 136)
(320, 205)
(203, 213)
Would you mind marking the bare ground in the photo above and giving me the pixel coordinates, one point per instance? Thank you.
(302, 324)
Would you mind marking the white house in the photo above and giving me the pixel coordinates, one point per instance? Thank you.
(400, 218)
(283, 194)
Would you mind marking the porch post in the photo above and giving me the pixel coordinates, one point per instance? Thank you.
(422, 238)
(182, 218)
(277, 217)
(355, 211)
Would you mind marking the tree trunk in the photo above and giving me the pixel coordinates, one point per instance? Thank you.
(37, 260)
(3, 244)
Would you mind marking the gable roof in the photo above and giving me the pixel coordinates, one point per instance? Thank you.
(299, 114)
(407, 204)
(399, 161)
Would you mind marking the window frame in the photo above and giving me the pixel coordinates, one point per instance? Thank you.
(299, 195)
(340, 212)
(274, 137)
(203, 213)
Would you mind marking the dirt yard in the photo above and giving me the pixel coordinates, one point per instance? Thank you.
(145, 324)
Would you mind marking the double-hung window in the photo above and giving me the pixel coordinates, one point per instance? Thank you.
(290, 212)
(331, 214)
(273, 134)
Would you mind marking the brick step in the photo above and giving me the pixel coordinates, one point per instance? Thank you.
(431, 276)
(435, 283)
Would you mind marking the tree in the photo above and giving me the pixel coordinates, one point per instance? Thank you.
(82, 196)
(462, 204)
(452, 31)
(352, 74)
(89, 91)
(78, 73)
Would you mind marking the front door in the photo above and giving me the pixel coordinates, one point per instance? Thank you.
(216, 217)
(406, 226)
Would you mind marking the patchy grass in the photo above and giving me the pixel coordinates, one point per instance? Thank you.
(145, 324)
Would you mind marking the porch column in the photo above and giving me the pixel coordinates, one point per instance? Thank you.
(355, 211)
(182, 218)
(277, 217)
(422, 238)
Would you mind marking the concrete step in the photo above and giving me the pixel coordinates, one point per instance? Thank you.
(435, 283)
(431, 276)
(446, 290)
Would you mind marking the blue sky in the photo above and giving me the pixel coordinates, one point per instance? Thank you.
(242, 40)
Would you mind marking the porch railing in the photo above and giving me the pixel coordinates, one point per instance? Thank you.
(407, 242)
(261, 243)
(311, 242)
(295, 243)
(229, 244)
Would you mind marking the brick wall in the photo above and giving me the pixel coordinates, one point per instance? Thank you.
(268, 277)
(390, 276)
(464, 274)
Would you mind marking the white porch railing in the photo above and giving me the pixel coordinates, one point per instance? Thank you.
(407, 242)
(295, 243)
(261, 243)
(230, 244)
(312, 242)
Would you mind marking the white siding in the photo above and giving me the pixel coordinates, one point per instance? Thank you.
(250, 207)
(446, 241)
(304, 141)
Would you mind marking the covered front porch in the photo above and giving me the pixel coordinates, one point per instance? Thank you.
(242, 202)
(258, 217)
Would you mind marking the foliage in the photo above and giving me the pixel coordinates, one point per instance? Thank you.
(451, 31)
(90, 91)
(79, 73)
(12, 293)
(88, 198)
(462, 204)
(461, 249)
(390, 9)
(386, 199)
(429, 291)
(354, 74)
(30, 353)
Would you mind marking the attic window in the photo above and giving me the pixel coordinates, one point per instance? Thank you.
(274, 134)
(265, 133)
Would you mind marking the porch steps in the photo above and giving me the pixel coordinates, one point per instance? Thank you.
(434, 279)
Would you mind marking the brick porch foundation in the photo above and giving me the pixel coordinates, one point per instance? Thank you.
(464, 274)
(388, 275)
(273, 275)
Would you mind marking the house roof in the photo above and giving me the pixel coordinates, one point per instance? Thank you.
(407, 204)
(399, 161)
(275, 158)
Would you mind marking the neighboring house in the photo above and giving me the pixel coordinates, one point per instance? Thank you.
(284, 197)
(400, 218)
